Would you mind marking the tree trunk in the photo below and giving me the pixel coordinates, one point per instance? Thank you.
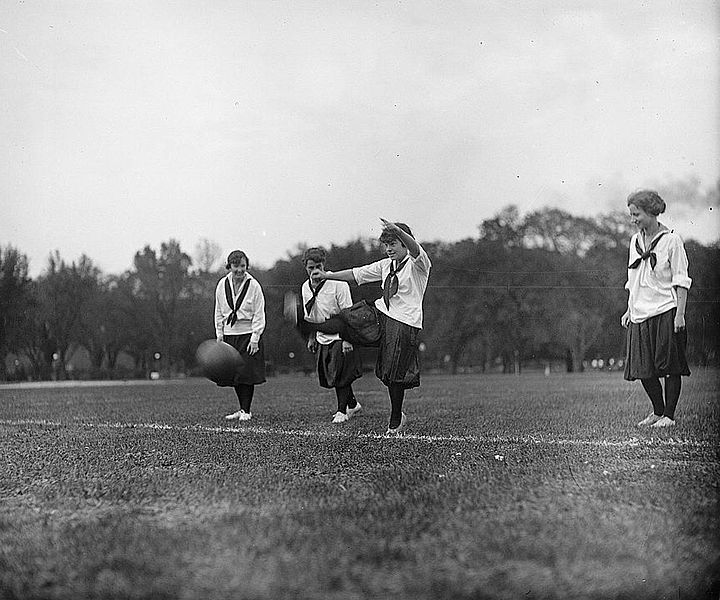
(112, 357)
(576, 355)
(96, 357)
(569, 362)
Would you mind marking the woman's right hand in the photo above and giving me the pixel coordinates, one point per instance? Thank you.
(625, 319)
(312, 345)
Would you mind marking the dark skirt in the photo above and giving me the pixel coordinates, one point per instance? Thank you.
(252, 369)
(653, 348)
(397, 359)
(336, 369)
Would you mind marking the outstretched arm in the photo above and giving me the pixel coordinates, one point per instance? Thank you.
(345, 275)
(407, 240)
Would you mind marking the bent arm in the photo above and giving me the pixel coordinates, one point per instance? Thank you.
(407, 240)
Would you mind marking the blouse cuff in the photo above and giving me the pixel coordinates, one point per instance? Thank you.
(681, 280)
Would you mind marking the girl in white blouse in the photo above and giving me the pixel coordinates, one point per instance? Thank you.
(404, 275)
(657, 285)
(240, 322)
(338, 363)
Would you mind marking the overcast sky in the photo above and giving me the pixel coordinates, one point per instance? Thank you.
(261, 125)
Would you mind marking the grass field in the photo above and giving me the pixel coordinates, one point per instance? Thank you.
(503, 487)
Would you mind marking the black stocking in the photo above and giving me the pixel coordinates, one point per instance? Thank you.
(344, 398)
(245, 393)
(397, 395)
(673, 383)
(654, 390)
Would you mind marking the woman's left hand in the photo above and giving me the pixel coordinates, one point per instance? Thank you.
(253, 347)
(320, 275)
(346, 347)
(389, 225)
(679, 323)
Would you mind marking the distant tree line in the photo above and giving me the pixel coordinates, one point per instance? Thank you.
(541, 288)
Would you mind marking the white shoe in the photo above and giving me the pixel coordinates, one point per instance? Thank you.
(651, 419)
(236, 415)
(245, 416)
(399, 428)
(351, 412)
(339, 417)
(664, 422)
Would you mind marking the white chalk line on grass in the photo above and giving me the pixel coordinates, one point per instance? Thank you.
(254, 429)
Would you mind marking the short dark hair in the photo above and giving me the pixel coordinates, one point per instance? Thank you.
(315, 254)
(235, 257)
(387, 236)
(648, 200)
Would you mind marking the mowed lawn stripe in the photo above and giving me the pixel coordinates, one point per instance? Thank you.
(258, 430)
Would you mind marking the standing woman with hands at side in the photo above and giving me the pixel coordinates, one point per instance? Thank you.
(658, 285)
(240, 322)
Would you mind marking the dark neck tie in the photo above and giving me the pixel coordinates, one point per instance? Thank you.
(647, 254)
(232, 317)
(310, 303)
(390, 287)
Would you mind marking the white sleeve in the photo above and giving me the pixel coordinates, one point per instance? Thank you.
(422, 260)
(368, 273)
(219, 313)
(679, 264)
(258, 319)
